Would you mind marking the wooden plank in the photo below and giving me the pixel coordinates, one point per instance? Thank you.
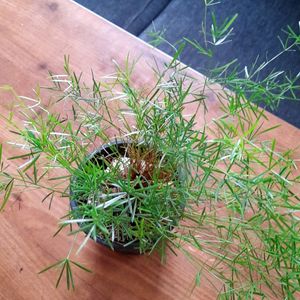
(34, 36)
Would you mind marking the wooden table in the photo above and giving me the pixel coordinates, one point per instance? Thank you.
(34, 36)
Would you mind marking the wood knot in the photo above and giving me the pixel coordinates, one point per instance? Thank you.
(42, 66)
(53, 6)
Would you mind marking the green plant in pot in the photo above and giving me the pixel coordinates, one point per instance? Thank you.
(124, 158)
(119, 179)
(150, 170)
(130, 193)
(143, 176)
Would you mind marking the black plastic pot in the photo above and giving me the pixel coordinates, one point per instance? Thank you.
(100, 156)
(113, 149)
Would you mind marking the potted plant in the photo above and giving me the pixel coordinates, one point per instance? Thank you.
(143, 175)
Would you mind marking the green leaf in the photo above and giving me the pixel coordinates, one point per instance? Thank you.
(228, 23)
(23, 155)
(61, 227)
(86, 239)
(32, 162)
(52, 266)
(0, 154)
(198, 279)
(7, 194)
(201, 50)
(60, 177)
(177, 54)
(69, 276)
(80, 266)
(199, 247)
(65, 261)
(51, 195)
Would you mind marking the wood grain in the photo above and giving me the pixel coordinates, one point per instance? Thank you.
(34, 36)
